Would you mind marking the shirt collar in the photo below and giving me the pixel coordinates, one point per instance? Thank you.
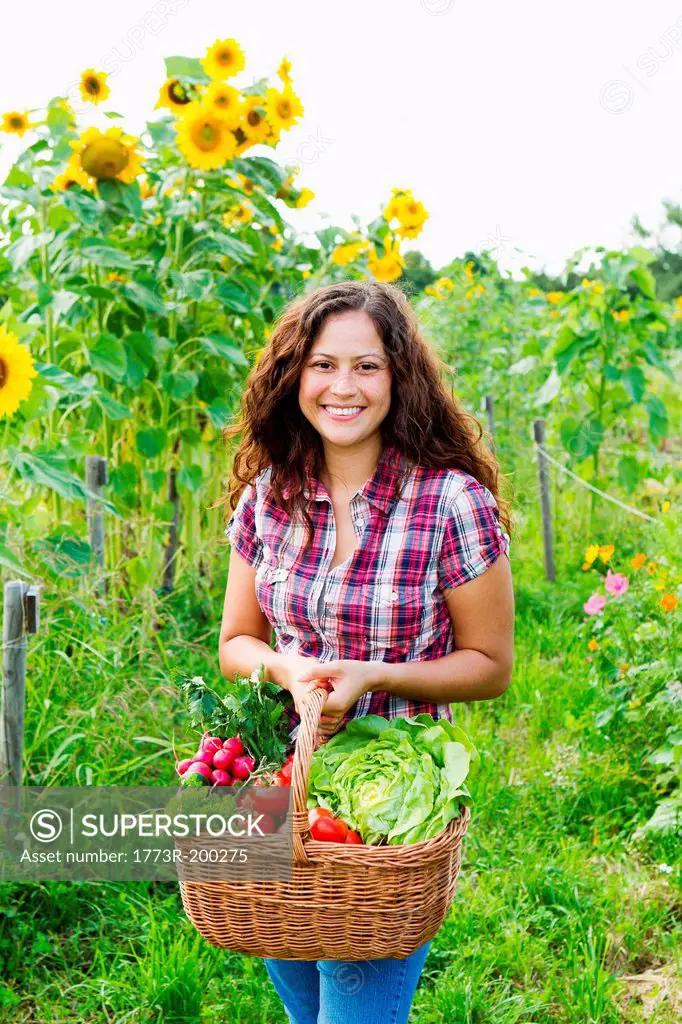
(378, 489)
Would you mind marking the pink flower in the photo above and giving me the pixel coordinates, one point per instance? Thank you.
(615, 583)
(595, 604)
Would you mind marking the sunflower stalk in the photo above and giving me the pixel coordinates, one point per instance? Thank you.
(43, 209)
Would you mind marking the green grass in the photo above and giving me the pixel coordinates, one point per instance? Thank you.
(556, 901)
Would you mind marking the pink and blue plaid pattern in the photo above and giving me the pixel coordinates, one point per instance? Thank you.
(385, 602)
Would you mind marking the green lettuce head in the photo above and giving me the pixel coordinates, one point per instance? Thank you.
(399, 780)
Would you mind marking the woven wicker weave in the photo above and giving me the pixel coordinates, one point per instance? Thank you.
(343, 902)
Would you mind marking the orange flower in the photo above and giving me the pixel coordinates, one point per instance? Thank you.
(638, 561)
(669, 602)
(605, 552)
(593, 645)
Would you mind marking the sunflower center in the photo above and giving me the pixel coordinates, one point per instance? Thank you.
(17, 122)
(284, 108)
(206, 135)
(92, 86)
(254, 118)
(411, 207)
(225, 58)
(105, 158)
(3, 373)
(178, 93)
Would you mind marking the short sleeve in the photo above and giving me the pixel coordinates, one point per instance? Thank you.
(241, 529)
(474, 538)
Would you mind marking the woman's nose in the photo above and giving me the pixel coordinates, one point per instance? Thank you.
(344, 385)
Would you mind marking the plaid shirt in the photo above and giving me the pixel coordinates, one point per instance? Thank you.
(385, 602)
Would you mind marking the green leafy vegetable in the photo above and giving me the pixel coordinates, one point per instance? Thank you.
(252, 709)
(395, 780)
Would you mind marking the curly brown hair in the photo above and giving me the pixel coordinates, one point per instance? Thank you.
(425, 422)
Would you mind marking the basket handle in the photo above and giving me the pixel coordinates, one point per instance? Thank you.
(305, 744)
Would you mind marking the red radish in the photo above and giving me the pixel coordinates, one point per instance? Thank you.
(235, 745)
(280, 779)
(221, 778)
(242, 767)
(199, 768)
(354, 839)
(223, 759)
(203, 757)
(211, 744)
(264, 822)
(182, 766)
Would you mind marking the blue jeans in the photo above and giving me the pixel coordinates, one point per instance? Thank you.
(347, 991)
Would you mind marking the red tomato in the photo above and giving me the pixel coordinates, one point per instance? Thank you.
(271, 799)
(354, 839)
(329, 830)
(287, 769)
(264, 822)
(315, 813)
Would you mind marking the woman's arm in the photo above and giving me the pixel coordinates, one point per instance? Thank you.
(245, 632)
(482, 615)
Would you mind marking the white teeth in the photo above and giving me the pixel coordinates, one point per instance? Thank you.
(336, 411)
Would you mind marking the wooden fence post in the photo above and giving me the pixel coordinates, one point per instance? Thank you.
(489, 403)
(171, 548)
(96, 478)
(21, 615)
(543, 478)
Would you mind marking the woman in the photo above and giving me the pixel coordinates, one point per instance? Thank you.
(367, 533)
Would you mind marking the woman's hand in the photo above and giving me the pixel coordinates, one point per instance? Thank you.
(287, 672)
(349, 680)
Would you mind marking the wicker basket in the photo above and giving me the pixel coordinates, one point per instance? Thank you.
(343, 902)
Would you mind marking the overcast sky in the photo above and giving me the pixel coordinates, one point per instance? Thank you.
(534, 128)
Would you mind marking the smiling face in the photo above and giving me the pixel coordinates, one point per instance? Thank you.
(347, 368)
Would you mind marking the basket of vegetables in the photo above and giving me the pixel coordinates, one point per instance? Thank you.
(379, 813)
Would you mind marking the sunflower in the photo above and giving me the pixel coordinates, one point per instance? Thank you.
(389, 266)
(273, 136)
(348, 252)
(253, 123)
(284, 70)
(242, 141)
(412, 215)
(238, 215)
(283, 108)
(175, 94)
(94, 86)
(243, 183)
(399, 195)
(277, 244)
(304, 197)
(16, 372)
(224, 100)
(15, 123)
(73, 174)
(223, 60)
(440, 288)
(204, 137)
(109, 155)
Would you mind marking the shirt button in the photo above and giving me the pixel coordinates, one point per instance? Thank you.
(394, 595)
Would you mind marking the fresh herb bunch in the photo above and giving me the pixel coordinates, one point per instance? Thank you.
(251, 708)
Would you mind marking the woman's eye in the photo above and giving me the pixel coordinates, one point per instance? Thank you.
(324, 363)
